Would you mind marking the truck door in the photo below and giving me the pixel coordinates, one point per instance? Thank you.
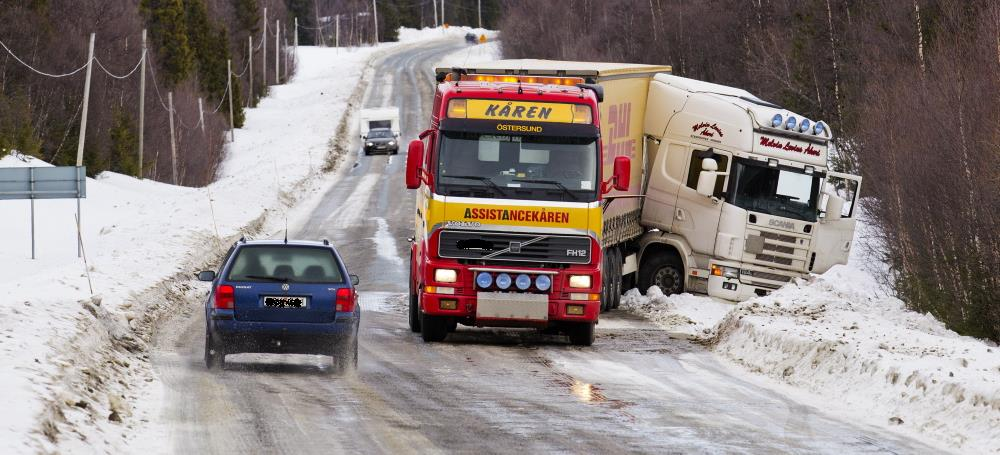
(664, 178)
(834, 234)
(696, 217)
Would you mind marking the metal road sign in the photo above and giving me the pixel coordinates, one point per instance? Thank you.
(60, 182)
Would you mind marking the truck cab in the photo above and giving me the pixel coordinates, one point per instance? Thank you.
(508, 221)
(741, 189)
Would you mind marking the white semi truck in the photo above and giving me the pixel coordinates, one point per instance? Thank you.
(378, 117)
(729, 195)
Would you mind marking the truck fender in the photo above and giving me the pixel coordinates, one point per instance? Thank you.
(665, 238)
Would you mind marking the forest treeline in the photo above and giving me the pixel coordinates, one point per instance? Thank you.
(189, 43)
(911, 89)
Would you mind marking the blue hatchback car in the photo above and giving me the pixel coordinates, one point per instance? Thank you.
(282, 297)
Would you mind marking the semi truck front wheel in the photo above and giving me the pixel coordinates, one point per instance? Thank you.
(664, 271)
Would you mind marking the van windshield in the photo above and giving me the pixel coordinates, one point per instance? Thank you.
(297, 264)
(778, 191)
(518, 167)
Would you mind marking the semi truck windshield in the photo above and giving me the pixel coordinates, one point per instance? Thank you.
(518, 167)
(778, 191)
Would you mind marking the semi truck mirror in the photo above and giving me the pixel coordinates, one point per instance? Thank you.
(707, 177)
(834, 207)
(623, 173)
(414, 158)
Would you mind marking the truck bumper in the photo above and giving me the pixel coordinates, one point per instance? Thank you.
(741, 289)
(559, 310)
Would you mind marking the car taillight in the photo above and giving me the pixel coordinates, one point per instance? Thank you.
(345, 299)
(224, 297)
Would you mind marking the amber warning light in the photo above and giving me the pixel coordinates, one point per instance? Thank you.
(570, 81)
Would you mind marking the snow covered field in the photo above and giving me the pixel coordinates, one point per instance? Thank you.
(838, 342)
(76, 374)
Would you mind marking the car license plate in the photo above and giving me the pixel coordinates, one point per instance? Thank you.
(504, 305)
(285, 302)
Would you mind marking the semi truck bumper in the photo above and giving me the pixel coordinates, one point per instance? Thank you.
(465, 308)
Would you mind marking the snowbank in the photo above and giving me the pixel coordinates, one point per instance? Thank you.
(839, 343)
(840, 340)
(76, 374)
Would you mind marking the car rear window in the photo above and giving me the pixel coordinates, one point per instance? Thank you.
(285, 263)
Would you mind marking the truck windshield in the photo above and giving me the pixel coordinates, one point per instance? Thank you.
(518, 167)
(778, 191)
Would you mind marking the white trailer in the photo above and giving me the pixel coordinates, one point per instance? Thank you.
(378, 117)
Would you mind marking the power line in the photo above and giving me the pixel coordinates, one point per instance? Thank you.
(109, 73)
(43, 73)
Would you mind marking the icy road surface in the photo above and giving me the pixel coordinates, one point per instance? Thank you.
(483, 390)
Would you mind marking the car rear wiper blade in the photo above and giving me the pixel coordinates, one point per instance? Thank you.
(549, 182)
(268, 278)
(485, 180)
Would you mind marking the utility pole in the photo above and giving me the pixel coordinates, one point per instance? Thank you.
(250, 69)
(442, 13)
(201, 116)
(264, 51)
(375, 14)
(295, 39)
(142, 100)
(319, 27)
(479, 10)
(336, 42)
(434, 6)
(229, 81)
(173, 143)
(86, 102)
(277, 48)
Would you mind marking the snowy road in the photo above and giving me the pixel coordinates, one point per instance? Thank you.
(635, 390)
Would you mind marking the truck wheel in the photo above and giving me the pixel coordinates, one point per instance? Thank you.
(616, 278)
(215, 356)
(414, 314)
(605, 282)
(452, 325)
(664, 271)
(434, 328)
(582, 334)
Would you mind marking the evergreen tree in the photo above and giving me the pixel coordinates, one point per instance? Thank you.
(168, 31)
(124, 145)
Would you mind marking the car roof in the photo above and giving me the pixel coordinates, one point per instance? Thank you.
(286, 243)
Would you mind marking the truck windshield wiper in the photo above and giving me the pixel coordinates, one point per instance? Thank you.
(488, 181)
(268, 278)
(549, 182)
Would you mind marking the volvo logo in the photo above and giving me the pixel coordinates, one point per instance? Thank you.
(284, 287)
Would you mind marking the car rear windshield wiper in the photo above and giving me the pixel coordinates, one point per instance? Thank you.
(268, 278)
(485, 180)
(549, 182)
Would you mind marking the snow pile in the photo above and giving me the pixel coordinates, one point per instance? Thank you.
(682, 315)
(76, 373)
(407, 34)
(855, 349)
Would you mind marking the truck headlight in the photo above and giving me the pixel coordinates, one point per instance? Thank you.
(445, 276)
(725, 272)
(579, 281)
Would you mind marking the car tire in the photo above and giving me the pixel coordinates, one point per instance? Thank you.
(582, 334)
(434, 328)
(215, 356)
(663, 270)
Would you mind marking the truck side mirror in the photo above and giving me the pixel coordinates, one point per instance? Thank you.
(622, 173)
(414, 160)
(707, 177)
(834, 207)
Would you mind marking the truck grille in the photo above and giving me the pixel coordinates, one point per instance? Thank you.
(498, 246)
